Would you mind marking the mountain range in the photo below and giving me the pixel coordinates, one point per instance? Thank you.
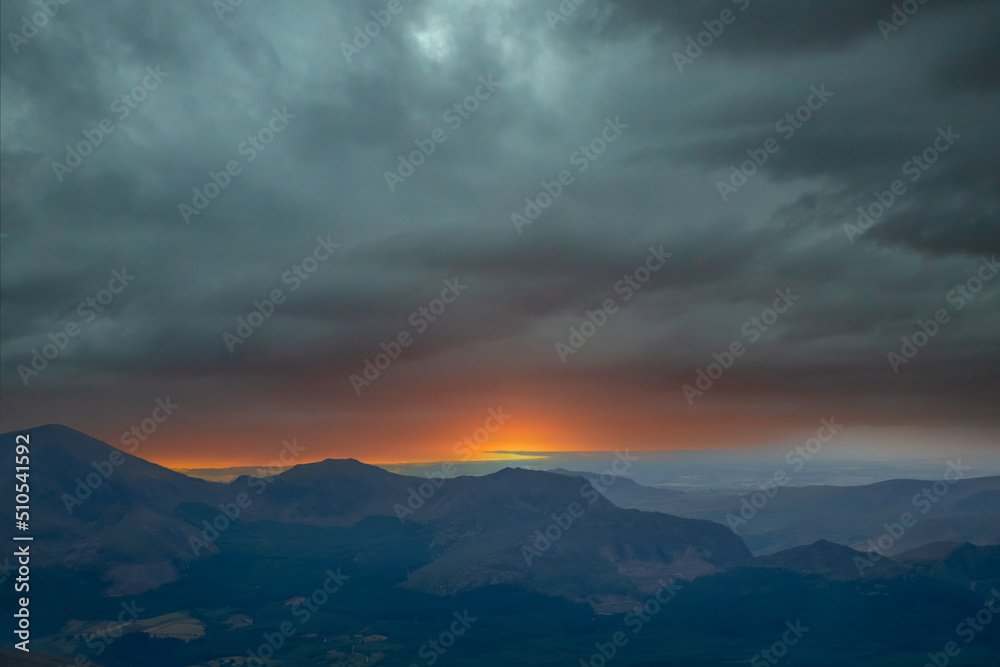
(959, 509)
(217, 566)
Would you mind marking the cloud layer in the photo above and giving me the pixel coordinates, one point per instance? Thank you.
(233, 151)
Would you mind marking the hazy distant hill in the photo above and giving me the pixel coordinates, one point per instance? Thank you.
(968, 511)
(822, 557)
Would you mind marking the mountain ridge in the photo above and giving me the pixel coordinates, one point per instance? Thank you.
(142, 525)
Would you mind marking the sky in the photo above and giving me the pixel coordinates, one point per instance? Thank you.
(431, 230)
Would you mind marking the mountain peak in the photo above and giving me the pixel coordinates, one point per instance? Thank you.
(333, 468)
(821, 557)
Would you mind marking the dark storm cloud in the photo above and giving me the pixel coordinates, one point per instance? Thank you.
(877, 119)
(350, 120)
(778, 28)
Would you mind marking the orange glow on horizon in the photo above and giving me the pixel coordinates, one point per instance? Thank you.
(532, 432)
